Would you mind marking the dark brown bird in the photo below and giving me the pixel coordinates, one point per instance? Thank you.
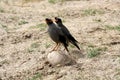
(66, 32)
(56, 34)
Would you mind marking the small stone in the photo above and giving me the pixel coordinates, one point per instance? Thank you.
(58, 57)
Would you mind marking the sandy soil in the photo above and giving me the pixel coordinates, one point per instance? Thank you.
(24, 43)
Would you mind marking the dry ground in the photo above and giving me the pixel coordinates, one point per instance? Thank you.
(24, 45)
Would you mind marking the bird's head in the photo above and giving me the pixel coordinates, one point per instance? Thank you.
(58, 20)
(48, 21)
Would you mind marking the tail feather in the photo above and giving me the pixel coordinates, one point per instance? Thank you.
(75, 44)
(71, 38)
(66, 47)
(64, 42)
(73, 41)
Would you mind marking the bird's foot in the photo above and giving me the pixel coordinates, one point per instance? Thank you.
(52, 50)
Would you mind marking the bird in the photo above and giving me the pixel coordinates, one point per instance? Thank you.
(56, 34)
(67, 33)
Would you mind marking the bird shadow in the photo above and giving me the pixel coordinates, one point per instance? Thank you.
(76, 54)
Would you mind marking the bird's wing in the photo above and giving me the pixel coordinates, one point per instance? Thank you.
(68, 34)
(62, 35)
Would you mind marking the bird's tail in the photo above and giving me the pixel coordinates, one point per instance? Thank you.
(73, 41)
(63, 40)
(75, 44)
(65, 45)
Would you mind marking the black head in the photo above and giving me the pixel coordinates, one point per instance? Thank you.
(48, 21)
(58, 20)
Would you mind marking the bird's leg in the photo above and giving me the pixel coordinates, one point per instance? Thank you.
(58, 46)
(55, 47)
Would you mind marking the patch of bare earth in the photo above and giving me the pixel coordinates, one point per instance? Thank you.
(24, 42)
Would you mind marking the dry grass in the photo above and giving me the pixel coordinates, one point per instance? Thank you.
(24, 43)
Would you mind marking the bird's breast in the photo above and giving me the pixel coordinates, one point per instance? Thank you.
(53, 34)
